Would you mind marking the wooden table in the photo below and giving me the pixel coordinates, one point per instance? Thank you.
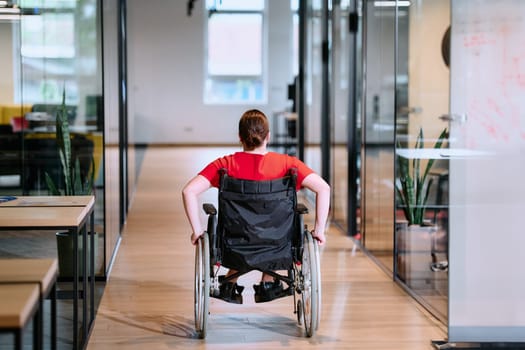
(70, 213)
(18, 304)
(44, 273)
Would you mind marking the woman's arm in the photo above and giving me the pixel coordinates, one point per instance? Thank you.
(321, 189)
(190, 198)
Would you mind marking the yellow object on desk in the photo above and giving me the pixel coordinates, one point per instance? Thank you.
(13, 110)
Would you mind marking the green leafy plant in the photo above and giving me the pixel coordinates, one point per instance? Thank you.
(73, 182)
(413, 186)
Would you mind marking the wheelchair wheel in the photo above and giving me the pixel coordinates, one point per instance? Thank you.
(311, 292)
(318, 282)
(202, 285)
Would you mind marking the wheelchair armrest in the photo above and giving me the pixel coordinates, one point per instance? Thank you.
(209, 209)
(301, 208)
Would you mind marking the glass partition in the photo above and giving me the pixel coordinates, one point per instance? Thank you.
(345, 90)
(313, 85)
(51, 65)
(377, 143)
(486, 155)
(340, 115)
(421, 212)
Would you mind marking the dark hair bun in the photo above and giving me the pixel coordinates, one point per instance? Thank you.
(253, 129)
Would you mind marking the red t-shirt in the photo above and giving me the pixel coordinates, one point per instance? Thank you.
(250, 166)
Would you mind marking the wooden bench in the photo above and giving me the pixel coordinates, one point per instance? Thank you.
(18, 305)
(44, 273)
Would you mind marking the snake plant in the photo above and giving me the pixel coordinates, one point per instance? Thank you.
(413, 186)
(73, 183)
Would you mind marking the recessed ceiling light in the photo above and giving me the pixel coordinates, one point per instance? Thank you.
(391, 3)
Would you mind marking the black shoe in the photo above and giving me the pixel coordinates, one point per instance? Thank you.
(267, 291)
(230, 292)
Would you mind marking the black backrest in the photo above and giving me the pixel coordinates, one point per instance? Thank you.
(256, 222)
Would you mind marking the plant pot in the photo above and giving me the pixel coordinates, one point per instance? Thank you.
(413, 251)
(65, 253)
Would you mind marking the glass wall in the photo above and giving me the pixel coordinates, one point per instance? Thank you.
(486, 152)
(344, 87)
(340, 116)
(421, 214)
(52, 66)
(313, 84)
(406, 90)
(377, 143)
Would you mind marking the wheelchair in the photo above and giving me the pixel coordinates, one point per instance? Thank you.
(259, 226)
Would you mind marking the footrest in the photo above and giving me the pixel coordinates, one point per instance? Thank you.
(268, 291)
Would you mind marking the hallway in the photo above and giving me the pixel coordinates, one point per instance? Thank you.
(148, 300)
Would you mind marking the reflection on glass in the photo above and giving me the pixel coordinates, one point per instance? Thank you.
(421, 213)
(377, 144)
(50, 52)
(341, 116)
(313, 86)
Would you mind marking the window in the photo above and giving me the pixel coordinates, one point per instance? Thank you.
(48, 50)
(235, 52)
(294, 5)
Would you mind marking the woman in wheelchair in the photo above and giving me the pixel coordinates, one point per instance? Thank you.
(255, 162)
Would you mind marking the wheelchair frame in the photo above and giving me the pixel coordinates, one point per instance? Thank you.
(303, 278)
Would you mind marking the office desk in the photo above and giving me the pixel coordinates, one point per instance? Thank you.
(70, 213)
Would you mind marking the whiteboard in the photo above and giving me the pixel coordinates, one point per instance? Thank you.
(487, 194)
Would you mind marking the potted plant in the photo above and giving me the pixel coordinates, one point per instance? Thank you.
(74, 184)
(413, 186)
(414, 235)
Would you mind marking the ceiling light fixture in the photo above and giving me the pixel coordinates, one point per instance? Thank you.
(391, 3)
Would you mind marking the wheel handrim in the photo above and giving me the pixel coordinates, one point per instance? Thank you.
(202, 286)
(309, 292)
(198, 299)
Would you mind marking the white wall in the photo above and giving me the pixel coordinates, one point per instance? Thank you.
(428, 74)
(165, 71)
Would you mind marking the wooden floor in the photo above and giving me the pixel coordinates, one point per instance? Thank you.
(148, 300)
